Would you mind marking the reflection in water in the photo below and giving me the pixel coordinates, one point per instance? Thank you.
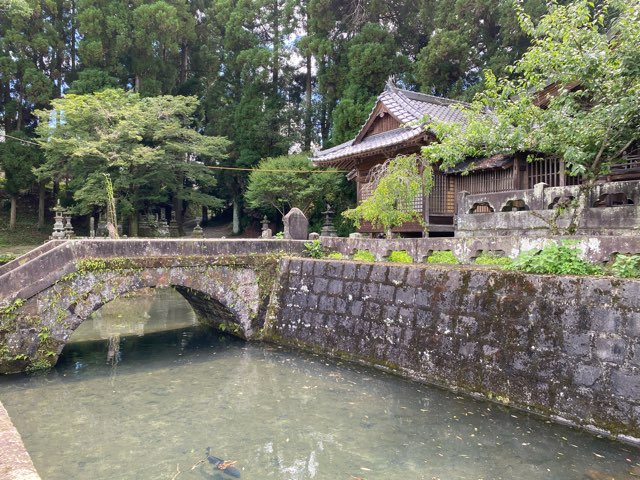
(132, 315)
(280, 415)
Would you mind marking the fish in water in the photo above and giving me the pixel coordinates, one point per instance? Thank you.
(593, 474)
(222, 465)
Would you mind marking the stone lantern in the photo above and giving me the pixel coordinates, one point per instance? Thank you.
(58, 226)
(328, 230)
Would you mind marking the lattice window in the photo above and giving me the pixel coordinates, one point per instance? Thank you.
(365, 190)
(486, 182)
(630, 160)
(549, 171)
(442, 197)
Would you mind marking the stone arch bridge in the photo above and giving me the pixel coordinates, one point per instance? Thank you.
(46, 294)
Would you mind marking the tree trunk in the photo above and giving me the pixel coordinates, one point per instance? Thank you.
(12, 216)
(42, 191)
(205, 215)
(276, 47)
(177, 207)
(184, 62)
(6, 97)
(74, 14)
(308, 128)
(236, 216)
(133, 224)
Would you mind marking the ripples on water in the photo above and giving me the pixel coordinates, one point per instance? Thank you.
(146, 407)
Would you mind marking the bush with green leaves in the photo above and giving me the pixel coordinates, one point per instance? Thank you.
(314, 249)
(626, 266)
(335, 256)
(399, 256)
(364, 256)
(557, 258)
(6, 258)
(493, 260)
(443, 256)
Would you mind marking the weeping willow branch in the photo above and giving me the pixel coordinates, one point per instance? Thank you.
(112, 219)
(394, 185)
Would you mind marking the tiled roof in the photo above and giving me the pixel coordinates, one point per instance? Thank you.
(500, 160)
(333, 156)
(414, 110)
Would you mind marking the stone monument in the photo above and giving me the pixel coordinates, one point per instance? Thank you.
(296, 225)
(102, 230)
(68, 227)
(197, 231)
(328, 230)
(144, 229)
(174, 232)
(163, 226)
(266, 231)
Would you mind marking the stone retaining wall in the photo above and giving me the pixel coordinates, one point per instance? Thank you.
(563, 347)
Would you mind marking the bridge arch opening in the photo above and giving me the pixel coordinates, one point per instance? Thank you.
(153, 313)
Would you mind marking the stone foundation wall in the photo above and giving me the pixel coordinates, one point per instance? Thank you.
(564, 347)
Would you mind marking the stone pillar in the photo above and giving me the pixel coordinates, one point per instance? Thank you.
(296, 225)
(461, 203)
(538, 197)
(92, 227)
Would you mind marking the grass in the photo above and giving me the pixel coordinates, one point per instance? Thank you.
(26, 235)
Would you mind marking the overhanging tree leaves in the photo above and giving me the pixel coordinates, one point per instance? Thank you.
(591, 59)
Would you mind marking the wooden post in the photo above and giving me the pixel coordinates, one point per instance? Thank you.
(425, 205)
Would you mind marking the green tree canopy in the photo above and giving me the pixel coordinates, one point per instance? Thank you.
(290, 181)
(17, 161)
(146, 145)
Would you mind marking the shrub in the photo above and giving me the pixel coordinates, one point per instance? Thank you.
(443, 256)
(399, 256)
(279, 236)
(6, 258)
(364, 256)
(314, 249)
(627, 266)
(335, 256)
(493, 259)
(558, 258)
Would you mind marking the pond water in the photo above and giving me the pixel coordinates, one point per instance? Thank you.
(147, 407)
